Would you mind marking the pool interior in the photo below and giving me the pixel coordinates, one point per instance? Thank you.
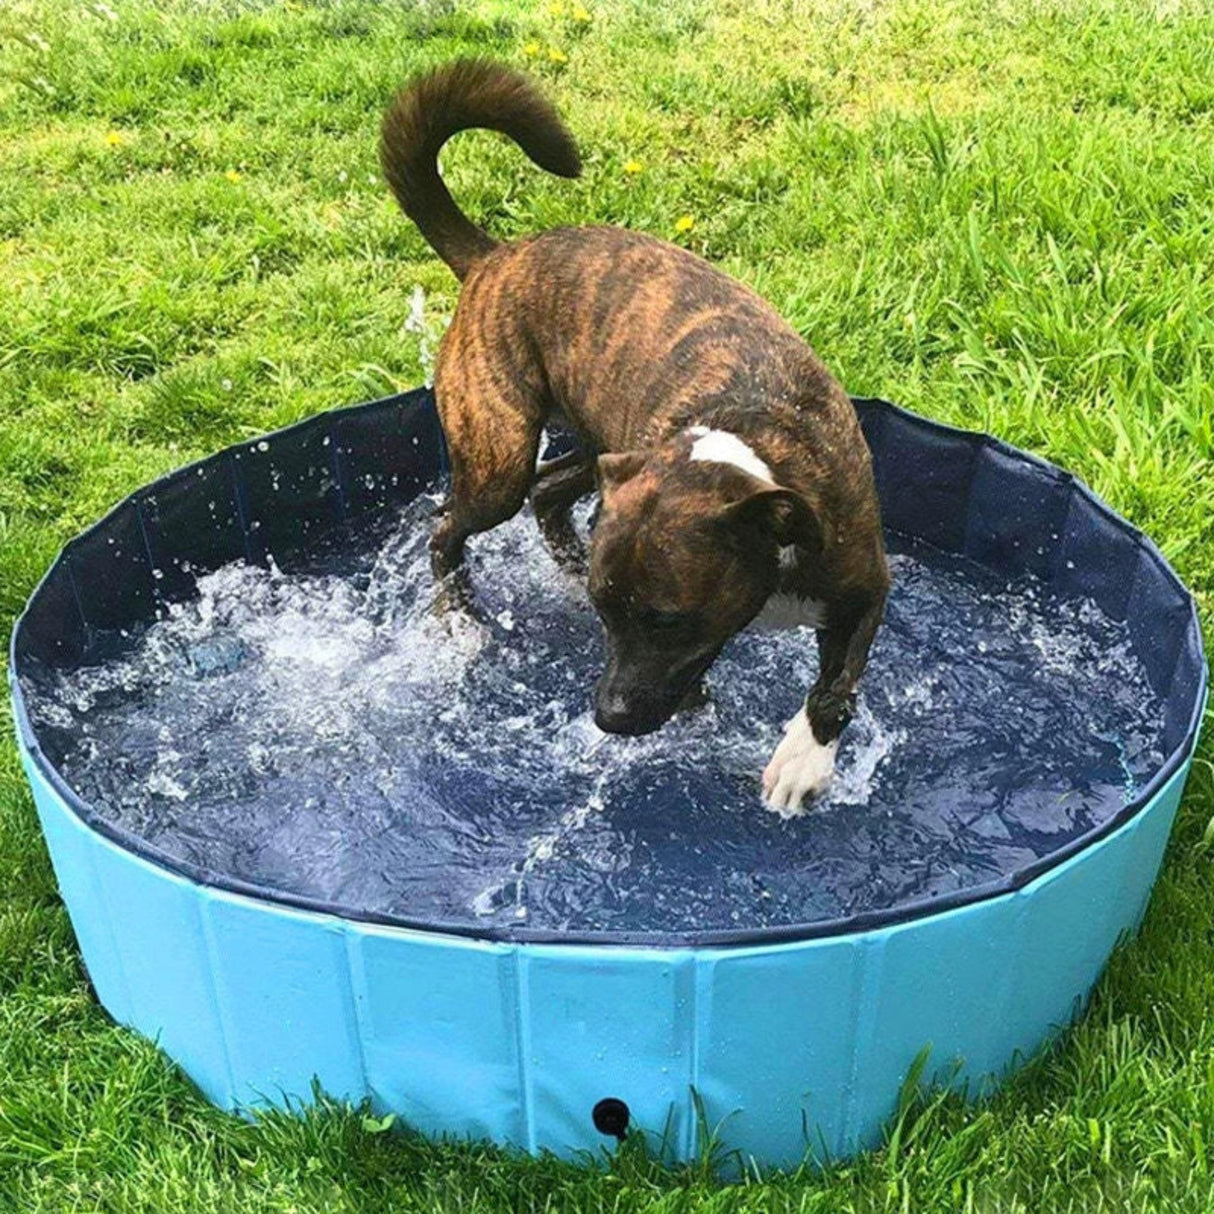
(318, 731)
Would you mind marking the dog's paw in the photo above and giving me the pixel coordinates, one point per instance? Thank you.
(453, 601)
(445, 646)
(800, 766)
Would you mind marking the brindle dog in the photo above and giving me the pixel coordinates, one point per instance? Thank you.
(732, 471)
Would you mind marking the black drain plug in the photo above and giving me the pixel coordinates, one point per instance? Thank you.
(611, 1117)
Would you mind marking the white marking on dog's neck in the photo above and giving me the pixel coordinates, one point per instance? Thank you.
(721, 447)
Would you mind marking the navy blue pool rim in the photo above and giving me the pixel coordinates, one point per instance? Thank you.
(798, 1037)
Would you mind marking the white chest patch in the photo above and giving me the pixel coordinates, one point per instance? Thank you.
(788, 611)
(721, 447)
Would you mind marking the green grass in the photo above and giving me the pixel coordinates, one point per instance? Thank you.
(998, 213)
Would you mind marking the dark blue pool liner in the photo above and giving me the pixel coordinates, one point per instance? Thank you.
(964, 492)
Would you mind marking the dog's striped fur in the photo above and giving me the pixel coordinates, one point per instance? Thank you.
(640, 345)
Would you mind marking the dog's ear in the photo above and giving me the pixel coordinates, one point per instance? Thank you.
(781, 514)
(615, 469)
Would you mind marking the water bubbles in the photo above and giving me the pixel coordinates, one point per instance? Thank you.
(161, 784)
(263, 445)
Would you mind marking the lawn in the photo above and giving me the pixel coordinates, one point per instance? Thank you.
(997, 213)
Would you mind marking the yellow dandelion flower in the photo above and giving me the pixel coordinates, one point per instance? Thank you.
(579, 13)
(556, 9)
(633, 166)
(684, 223)
(232, 175)
(556, 55)
(532, 48)
(115, 139)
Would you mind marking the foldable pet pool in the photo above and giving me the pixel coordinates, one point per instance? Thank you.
(287, 857)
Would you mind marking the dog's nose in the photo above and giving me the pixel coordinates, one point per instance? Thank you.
(613, 716)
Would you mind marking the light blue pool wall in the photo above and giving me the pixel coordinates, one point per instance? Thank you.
(517, 1042)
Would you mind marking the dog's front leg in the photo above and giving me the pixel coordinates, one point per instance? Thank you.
(804, 761)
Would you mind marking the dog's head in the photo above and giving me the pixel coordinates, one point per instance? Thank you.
(684, 554)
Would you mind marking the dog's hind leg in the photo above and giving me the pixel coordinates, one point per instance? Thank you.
(559, 484)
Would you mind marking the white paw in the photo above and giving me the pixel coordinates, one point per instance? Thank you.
(800, 765)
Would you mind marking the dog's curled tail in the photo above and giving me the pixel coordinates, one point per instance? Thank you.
(428, 111)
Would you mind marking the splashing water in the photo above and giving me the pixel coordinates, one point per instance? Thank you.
(426, 331)
(321, 732)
